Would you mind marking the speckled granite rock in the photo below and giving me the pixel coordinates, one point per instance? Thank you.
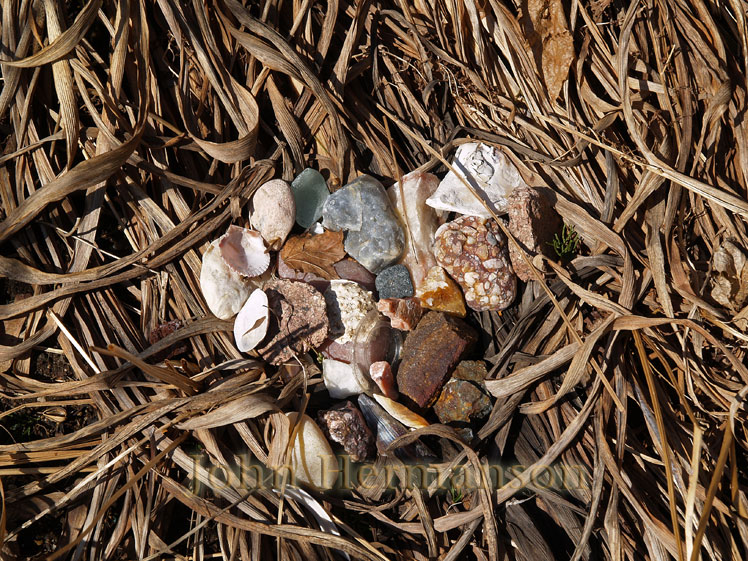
(430, 353)
(533, 222)
(394, 282)
(345, 425)
(298, 320)
(474, 252)
(373, 236)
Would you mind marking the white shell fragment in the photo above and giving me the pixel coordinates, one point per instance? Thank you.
(273, 212)
(224, 290)
(251, 325)
(488, 170)
(244, 251)
(342, 379)
(347, 304)
(312, 459)
(401, 413)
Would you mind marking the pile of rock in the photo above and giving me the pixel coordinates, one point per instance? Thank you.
(376, 252)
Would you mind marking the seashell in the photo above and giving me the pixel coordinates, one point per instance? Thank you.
(388, 429)
(224, 290)
(273, 212)
(312, 459)
(400, 412)
(251, 325)
(244, 251)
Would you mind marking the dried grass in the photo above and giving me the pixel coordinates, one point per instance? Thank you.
(135, 131)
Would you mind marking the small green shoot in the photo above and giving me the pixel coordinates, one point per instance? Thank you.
(567, 244)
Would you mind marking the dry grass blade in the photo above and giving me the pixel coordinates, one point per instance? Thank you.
(135, 132)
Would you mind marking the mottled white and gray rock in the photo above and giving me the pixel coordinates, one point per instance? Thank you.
(374, 236)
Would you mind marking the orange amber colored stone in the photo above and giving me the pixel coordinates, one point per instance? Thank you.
(439, 292)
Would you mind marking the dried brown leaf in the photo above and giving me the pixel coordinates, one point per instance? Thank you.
(551, 42)
(315, 254)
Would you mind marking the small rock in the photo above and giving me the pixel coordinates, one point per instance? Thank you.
(342, 379)
(464, 395)
(488, 170)
(533, 222)
(310, 193)
(331, 349)
(381, 373)
(404, 313)
(374, 236)
(164, 330)
(474, 252)
(224, 290)
(430, 354)
(273, 212)
(730, 276)
(421, 219)
(394, 282)
(298, 320)
(347, 304)
(345, 425)
(312, 459)
(440, 293)
(349, 269)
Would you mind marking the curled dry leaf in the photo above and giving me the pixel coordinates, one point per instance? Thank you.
(315, 254)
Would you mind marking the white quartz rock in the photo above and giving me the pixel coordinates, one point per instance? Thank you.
(251, 324)
(224, 290)
(273, 212)
(421, 220)
(342, 379)
(347, 304)
(312, 459)
(488, 170)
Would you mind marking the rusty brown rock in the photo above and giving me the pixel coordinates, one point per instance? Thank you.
(533, 222)
(430, 354)
(404, 313)
(464, 395)
(298, 320)
(345, 425)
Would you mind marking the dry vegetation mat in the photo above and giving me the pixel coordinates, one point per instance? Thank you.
(135, 132)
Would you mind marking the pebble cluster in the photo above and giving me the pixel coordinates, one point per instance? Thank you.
(400, 271)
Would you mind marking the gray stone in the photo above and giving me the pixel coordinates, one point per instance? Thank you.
(394, 282)
(374, 237)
